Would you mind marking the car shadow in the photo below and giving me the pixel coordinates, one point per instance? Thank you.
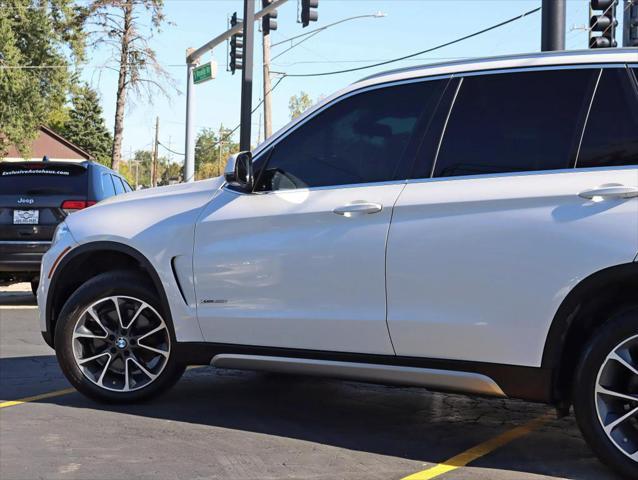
(18, 295)
(408, 423)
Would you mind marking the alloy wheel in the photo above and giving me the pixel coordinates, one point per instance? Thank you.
(121, 343)
(616, 397)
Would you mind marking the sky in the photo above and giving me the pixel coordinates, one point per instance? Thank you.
(408, 26)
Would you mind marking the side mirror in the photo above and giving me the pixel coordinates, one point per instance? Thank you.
(239, 171)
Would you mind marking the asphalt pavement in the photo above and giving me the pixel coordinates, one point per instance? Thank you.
(225, 424)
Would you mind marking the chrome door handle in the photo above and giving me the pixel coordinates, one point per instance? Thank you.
(355, 209)
(606, 192)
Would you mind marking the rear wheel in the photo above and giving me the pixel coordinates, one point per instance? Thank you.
(113, 341)
(606, 392)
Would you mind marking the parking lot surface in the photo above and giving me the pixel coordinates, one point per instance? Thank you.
(224, 424)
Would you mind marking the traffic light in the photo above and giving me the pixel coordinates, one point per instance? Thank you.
(269, 22)
(309, 12)
(605, 22)
(236, 46)
(631, 24)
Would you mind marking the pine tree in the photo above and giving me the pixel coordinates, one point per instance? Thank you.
(35, 33)
(85, 126)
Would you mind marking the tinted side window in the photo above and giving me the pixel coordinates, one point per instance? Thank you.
(611, 134)
(127, 187)
(515, 122)
(363, 138)
(119, 188)
(107, 186)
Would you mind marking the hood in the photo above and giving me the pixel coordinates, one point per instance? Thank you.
(128, 215)
(209, 185)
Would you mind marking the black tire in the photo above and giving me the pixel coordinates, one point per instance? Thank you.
(118, 283)
(620, 327)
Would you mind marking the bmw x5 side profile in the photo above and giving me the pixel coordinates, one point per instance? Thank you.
(468, 227)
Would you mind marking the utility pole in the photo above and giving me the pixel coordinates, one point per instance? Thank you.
(189, 150)
(219, 154)
(192, 57)
(247, 75)
(553, 25)
(269, 23)
(155, 152)
(267, 87)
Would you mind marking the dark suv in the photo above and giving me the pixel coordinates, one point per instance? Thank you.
(34, 198)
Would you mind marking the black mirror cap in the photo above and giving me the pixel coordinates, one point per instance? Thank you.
(239, 171)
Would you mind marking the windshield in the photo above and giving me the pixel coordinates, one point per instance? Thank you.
(37, 178)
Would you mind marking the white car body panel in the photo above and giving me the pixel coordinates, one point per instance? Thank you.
(478, 266)
(282, 269)
(159, 223)
(296, 275)
(48, 260)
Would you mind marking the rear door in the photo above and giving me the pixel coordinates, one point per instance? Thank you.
(481, 254)
(32, 194)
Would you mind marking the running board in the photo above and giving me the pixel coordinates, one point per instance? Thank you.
(446, 380)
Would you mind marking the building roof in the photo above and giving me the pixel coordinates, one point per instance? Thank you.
(52, 145)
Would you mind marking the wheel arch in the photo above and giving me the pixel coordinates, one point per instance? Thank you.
(92, 259)
(579, 314)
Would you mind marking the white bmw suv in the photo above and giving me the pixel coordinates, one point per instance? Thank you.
(468, 227)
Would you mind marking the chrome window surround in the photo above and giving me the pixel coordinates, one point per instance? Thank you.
(267, 147)
(591, 103)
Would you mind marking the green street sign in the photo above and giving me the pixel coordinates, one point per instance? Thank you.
(204, 73)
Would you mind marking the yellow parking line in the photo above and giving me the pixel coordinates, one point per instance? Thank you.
(57, 393)
(35, 398)
(474, 453)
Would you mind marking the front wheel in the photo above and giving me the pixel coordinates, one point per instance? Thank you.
(606, 392)
(113, 341)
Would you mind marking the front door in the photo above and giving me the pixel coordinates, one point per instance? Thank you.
(300, 262)
(283, 269)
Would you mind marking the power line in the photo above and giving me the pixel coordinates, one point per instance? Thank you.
(414, 59)
(405, 57)
(172, 151)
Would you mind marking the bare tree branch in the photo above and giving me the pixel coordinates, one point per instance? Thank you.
(121, 26)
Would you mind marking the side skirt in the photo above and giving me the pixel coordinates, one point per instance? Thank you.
(466, 382)
(478, 378)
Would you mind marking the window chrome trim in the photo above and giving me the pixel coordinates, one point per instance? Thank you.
(580, 66)
(278, 137)
(600, 67)
(268, 147)
(386, 183)
(591, 103)
(447, 119)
